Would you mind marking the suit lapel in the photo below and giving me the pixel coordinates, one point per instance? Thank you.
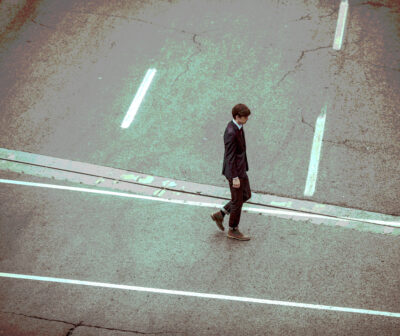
(237, 130)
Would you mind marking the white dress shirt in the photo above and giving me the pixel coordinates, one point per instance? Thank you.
(240, 126)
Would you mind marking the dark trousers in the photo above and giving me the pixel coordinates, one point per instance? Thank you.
(238, 197)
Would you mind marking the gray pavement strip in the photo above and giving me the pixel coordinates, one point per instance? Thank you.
(160, 188)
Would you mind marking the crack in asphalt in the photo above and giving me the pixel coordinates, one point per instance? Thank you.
(70, 331)
(198, 44)
(306, 123)
(365, 146)
(41, 24)
(309, 17)
(37, 317)
(304, 17)
(81, 324)
(124, 330)
(328, 15)
(298, 64)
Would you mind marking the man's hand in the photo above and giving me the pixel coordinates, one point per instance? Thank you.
(236, 183)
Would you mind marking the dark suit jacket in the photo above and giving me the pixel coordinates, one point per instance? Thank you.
(235, 159)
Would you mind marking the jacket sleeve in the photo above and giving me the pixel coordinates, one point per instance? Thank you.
(230, 152)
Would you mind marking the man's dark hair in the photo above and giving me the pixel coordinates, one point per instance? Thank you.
(241, 110)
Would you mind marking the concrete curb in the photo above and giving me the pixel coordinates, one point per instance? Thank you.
(103, 175)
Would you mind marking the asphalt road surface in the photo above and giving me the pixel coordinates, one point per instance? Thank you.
(68, 73)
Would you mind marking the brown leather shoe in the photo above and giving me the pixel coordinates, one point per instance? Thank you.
(217, 217)
(236, 234)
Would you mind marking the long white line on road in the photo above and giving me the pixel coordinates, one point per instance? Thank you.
(315, 153)
(341, 23)
(292, 213)
(201, 295)
(176, 201)
(130, 115)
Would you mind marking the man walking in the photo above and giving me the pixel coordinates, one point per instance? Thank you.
(234, 169)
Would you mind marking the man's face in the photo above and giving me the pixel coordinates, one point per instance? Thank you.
(241, 120)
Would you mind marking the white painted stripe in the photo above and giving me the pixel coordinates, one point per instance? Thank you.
(201, 295)
(315, 154)
(376, 221)
(103, 192)
(122, 194)
(292, 213)
(130, 115)
(341, 23)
